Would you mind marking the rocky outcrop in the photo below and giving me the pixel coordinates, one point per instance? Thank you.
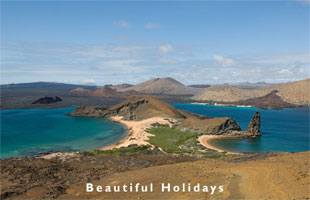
(211, 126)
(254, 126)
(47, 100)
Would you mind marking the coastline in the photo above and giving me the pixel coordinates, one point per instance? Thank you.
(136, 131)
(204, 140)
(137, 134)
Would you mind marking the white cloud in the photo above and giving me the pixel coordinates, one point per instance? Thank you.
(88, 81)
(151, 25)
(116, 64)
(168, 61)
(215, 78)
(224, 62)
(167, 48)
(122, 24)
(284, 71)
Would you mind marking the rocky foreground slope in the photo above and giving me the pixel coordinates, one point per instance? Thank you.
(294, 93)
(140, 108)
(252, 176)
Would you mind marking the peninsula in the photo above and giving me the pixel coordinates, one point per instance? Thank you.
(142, 113)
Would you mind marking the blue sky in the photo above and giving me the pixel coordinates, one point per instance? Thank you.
(128, 42)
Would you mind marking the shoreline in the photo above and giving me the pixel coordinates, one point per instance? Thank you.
(136, 131)
(204, 140)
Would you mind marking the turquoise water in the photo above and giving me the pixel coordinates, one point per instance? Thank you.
(32, 131)
(283, 130)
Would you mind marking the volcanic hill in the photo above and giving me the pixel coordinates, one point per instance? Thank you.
(294, 93)
(163, 86)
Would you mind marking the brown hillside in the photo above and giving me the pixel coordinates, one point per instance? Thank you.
(162, 86)
(269, 101)
(297, 92)
(294, 92)
(143, 108)
(105, 92)
(80, 92)
(135, 108)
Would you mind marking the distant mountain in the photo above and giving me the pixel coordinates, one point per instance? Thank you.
(297, 92)
(45, 85)
(199, 86)
(120, 86)
(105, 92)
(269, 101)
(293, 92)
(39, 89)
(80, 92)
(163, 86)
(227, 93)
(247, 85)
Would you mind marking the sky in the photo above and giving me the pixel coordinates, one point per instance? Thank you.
(200, 42)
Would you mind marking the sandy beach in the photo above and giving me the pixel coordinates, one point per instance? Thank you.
(138, 135)
(136, 131)
(204, 141)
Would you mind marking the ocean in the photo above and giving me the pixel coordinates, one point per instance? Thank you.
(29, 132)
(284, 130)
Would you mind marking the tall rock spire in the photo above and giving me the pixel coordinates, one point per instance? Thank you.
(254, 125)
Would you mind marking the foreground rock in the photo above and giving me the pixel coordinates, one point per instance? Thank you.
(37, 178)
(47, 100)
(251, 176)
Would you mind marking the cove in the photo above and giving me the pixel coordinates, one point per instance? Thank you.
(31, 132)
(284, 130)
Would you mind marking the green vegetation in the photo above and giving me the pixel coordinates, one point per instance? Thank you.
(170, 140)
(173, 140)
(130, 150)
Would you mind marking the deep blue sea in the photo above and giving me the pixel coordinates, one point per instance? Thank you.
(28, 132)
(283, 130)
